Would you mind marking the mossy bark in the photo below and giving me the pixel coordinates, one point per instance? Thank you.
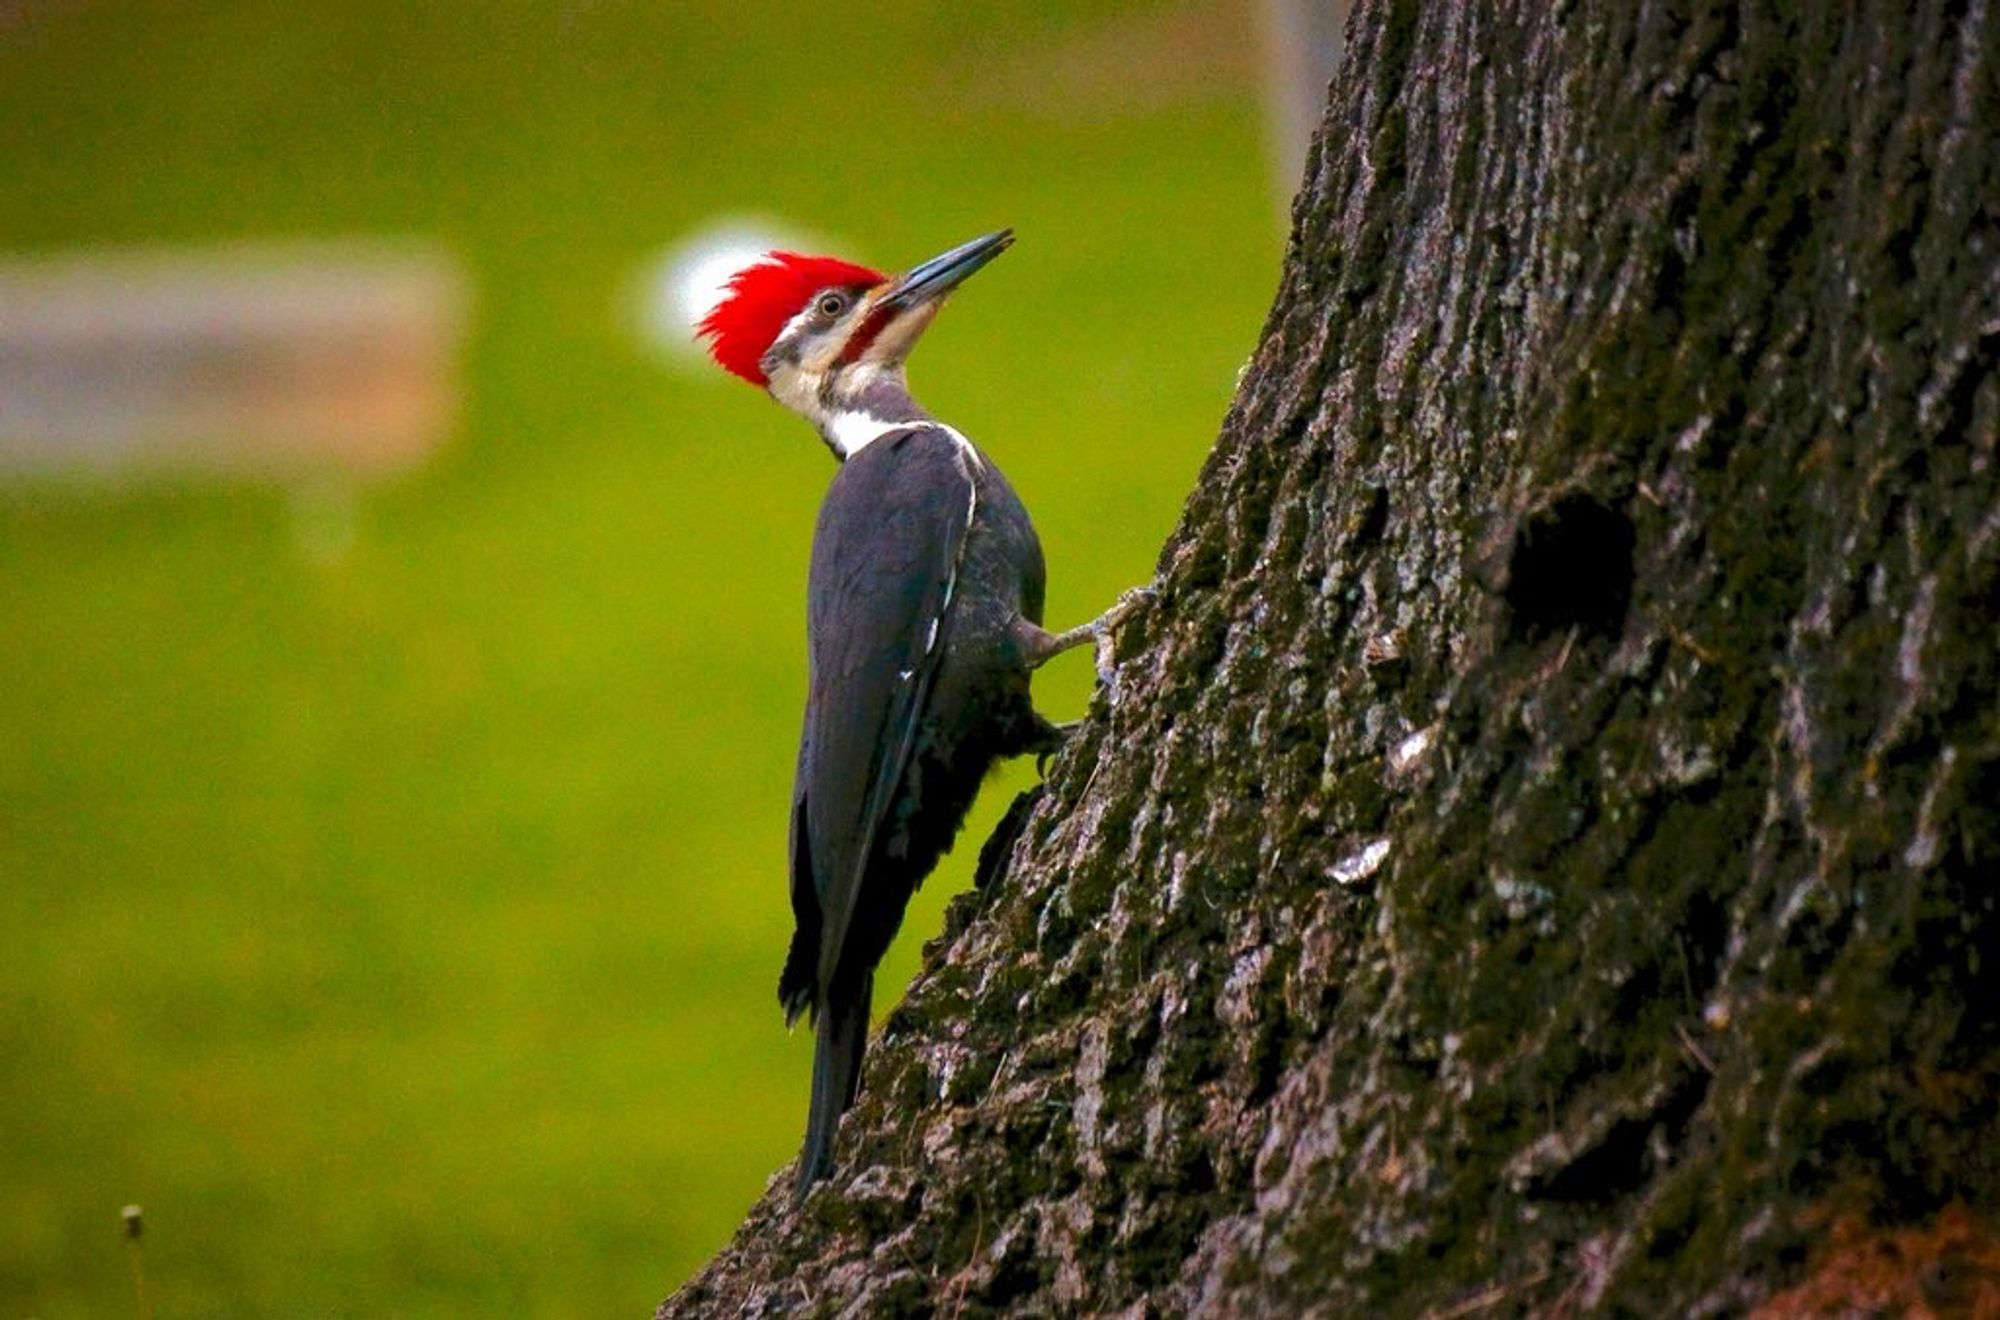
(1541, 849)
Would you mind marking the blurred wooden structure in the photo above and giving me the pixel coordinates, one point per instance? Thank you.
(269, 360)
(1302, 44)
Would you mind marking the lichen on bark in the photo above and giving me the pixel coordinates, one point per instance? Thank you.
(1540, 849)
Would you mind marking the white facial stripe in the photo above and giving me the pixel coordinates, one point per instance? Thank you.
(817, 355)
(797, 389)
(796, 324)
(859, 377)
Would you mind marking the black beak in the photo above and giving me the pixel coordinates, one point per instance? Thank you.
(933, 279)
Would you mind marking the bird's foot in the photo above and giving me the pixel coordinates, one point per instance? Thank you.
(1105, 627)
(1043, 647)
(1129, 602)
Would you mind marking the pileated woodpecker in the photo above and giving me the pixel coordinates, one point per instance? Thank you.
(924, 612)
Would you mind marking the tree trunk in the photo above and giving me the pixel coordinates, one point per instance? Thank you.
(1541, 849)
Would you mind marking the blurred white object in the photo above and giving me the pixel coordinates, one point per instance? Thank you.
(675, 290)
(273, 359)
(1302, 43)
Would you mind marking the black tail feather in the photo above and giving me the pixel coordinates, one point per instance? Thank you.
(843, 1039)
(795, 983)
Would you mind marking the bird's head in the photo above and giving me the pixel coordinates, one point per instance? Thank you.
(828, 338)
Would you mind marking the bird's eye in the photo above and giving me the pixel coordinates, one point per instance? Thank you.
(832, 304)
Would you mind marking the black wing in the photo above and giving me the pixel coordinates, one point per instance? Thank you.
(886, 555)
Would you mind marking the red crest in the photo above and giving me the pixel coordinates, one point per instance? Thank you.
(762, 297)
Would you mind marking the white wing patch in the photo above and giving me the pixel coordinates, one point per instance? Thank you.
(968, 463)
(966, 453)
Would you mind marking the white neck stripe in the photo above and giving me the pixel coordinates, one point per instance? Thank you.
(850, 432)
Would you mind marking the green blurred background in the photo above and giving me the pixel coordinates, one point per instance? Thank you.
(396, 915)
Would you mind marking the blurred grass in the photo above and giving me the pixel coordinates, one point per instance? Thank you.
(399, 926)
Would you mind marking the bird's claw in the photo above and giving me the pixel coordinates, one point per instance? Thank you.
(1129, 603)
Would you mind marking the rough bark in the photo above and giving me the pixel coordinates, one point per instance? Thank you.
(1541, 851)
